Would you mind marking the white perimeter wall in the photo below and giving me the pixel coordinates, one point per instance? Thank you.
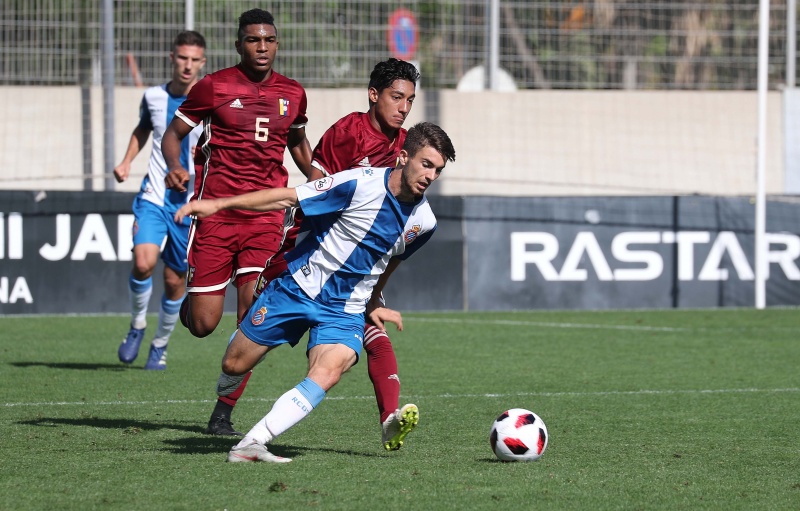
(522, 143)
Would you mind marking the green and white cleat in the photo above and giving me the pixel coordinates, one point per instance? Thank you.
(398, 425)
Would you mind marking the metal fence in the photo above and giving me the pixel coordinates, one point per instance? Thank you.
(616, 97)
(601, 44)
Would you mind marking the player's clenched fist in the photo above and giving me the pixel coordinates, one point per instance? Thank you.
(176, 179)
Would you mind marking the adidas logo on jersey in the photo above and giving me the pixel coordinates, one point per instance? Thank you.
(237, 104)
(364, 162)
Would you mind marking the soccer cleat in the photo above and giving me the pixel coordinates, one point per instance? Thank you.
(129, 349)
(221, 426)
(254, 452)
(157, 359)
(398, 425)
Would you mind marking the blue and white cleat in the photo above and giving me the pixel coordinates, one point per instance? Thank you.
(157, 359)
(398, 425)
(129, 349)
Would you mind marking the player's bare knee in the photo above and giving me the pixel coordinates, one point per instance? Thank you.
(142, 269)
(200, 328)
(174, 285)
(325, 377)
(233, 366)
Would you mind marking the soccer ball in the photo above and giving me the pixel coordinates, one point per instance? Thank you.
(518, 435)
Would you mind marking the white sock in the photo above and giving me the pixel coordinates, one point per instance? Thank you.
(139, 292)
(288, 410)
(167, 318)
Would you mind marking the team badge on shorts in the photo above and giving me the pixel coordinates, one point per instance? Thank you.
(411, 234)
(259, 316)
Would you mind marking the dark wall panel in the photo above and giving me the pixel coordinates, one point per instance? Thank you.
(70, 252)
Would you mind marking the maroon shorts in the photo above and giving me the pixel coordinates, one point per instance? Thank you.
(223, 253)
(277, 264)
(275, 267)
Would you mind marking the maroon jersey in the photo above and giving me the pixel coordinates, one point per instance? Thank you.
(352, 142)
(245, 131)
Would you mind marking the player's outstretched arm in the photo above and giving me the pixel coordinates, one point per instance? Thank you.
(263, 200)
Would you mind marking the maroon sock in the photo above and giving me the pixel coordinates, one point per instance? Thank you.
(234, 396)
(382, 368)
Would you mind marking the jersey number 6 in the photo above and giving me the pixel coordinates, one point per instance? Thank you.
(262, 128)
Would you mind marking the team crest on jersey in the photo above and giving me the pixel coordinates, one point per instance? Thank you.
(323, 184)
(368, 172)
(283, 106)
(411, 234)
(259, 316)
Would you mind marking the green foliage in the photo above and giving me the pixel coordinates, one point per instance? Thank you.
(645, 409)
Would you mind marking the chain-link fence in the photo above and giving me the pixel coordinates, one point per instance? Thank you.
(601, 44)
(613, 96)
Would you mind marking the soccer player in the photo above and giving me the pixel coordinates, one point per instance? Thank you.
(250, 115)
(359, 224)
(155, 206)
(360, 139)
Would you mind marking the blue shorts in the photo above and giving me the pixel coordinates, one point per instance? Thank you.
(154, 224)
(283, 313)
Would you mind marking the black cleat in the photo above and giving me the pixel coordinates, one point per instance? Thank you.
(221, 426)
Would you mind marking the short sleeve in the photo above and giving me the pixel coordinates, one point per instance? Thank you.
(334, 150)
(326, 195)
(301, 120)
(199, 103)
(145, 121)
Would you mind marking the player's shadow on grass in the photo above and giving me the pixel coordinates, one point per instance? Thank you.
(208, 444)
(81, 366)
(126, 425)
(215, 444)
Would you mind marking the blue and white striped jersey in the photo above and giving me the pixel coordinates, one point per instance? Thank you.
(155, 113)
(353, 226)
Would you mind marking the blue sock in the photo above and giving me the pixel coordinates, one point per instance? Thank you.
(311, 391)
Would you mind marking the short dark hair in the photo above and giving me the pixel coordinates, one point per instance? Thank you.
(254, 17)
(426, 134)
(386, 72)
(189, 38)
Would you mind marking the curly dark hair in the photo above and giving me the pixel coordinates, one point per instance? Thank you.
(386, 72)
(255, 17)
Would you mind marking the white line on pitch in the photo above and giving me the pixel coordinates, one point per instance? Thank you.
(549, 324)
(552, 324)
(422, 396)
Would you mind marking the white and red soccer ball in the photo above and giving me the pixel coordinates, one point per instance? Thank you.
(518, 435)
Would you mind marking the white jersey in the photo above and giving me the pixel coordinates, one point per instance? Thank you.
(353, 226)
(155, 113)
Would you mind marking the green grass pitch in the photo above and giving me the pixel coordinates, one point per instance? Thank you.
(695, 409)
